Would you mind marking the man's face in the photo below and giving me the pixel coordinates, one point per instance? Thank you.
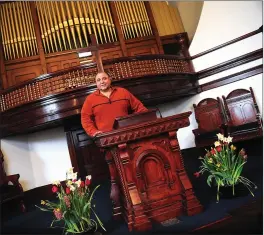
(103, 82)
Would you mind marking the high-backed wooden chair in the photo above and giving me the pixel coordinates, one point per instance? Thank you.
(243, 117)
(10, 188)
(210, 117)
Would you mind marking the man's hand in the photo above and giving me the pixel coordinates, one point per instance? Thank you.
(96, 133)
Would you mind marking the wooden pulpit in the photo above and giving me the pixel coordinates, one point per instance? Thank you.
(148, 179)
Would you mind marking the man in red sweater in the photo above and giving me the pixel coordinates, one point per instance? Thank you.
(105, 104)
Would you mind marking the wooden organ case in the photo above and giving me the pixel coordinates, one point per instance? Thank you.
(148, 179)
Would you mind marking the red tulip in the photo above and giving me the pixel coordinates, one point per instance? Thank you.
(82, 184)
(218, 148)
(196, 174)
(55, 189)
(67, 190)
(87, 182)
(213, 151)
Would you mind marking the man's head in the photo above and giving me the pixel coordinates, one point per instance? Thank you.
(103, 81)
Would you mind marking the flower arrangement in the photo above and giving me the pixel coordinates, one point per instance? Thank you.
(225, 165)
(74, 206)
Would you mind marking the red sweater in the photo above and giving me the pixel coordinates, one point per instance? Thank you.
(99, 112)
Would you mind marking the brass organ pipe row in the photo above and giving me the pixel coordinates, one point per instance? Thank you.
(56, 24)
(12, 28)
(31, 27)
(45, 44)
(46, 22)
(104, 19)
(145, 16)
(101, 20)
(24, 30)
(87, 19)
(140, 13)
(71, 24)
(74, 19)
(92, 20)
(96, 20)
(76, 23)
(10, 37)
(17, 29)
(140, 24)
(27, 19)
(65, 24)
(134, 23)
(122, 21)
(82, 22)
(109, 23)
(133, 19)
(110, 20)
(18, 39)
(16, 8)
(51, 24)
(44, 35)
(60, 23)
(126, 20)
(128, 16)
(5, 41)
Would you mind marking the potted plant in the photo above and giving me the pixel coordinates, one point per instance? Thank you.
(224, 165)
(74, 206)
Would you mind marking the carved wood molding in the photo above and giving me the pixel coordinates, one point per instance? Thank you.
(231, 78)
(143, 130)
(252, 56)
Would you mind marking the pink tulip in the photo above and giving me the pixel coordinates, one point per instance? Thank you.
(55, 189)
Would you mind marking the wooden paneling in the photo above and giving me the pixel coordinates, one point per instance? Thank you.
(143, 47)
(111, 53)
(20, 71)
(62, 61)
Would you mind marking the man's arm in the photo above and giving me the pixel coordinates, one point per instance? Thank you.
(135, 104)
(87, 120)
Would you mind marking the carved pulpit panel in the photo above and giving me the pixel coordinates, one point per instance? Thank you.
(149, 182)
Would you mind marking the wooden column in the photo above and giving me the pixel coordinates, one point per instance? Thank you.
(97, 54)
(154, 27)
(38, 37)
(118, 28)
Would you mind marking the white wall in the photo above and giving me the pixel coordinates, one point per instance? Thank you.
(50, 156)
(17, 159)
(221, 21)
(39, 158)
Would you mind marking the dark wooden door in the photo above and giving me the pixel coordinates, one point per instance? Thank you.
(86, 157)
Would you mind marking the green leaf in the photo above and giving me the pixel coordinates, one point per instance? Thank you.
(85, 207)
(209, 179)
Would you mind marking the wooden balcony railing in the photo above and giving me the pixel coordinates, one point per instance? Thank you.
(65, 80)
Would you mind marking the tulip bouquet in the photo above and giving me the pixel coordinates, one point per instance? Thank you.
(74, 206)
(224, 165)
